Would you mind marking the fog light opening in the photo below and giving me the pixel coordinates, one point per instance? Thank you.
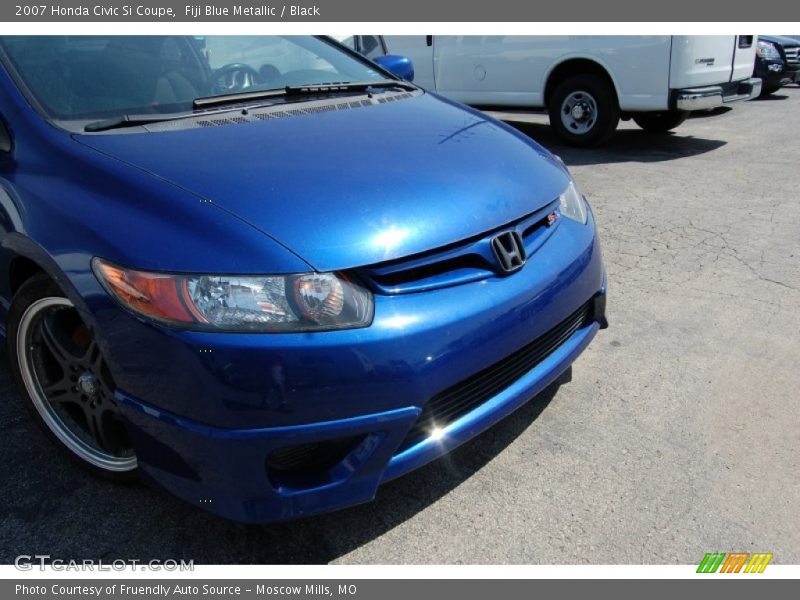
(309, 465)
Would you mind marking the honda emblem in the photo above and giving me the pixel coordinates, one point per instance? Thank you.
(509, 251)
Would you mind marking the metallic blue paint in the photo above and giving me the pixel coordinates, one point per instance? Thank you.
(442, 174)
(334, 190)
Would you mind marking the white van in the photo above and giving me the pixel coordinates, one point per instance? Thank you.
(587, 82)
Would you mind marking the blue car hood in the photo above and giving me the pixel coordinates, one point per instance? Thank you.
(347, 188)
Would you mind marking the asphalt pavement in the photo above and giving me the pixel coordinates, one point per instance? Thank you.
(679, 433)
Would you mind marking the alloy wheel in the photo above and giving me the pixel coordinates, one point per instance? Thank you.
(68, 381)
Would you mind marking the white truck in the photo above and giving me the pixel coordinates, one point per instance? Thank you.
(587, 83)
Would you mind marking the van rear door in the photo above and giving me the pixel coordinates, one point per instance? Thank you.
(702, 60)
(744, 57)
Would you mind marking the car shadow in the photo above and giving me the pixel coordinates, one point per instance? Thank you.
(712, 112)
(53, 507)
(770, 97)
(626, 145)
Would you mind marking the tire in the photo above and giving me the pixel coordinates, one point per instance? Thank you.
(598, 113)
(660, 122)
(64, 381)
(768, 90)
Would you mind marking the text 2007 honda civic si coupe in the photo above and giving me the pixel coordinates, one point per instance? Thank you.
(268, 274)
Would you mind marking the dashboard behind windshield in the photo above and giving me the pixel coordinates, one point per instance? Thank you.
(98, 77)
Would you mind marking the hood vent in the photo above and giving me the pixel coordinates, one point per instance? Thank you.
(394, 97)
(226, 121)
(268, 113)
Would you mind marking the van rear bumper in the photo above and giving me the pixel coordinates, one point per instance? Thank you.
(713, 96)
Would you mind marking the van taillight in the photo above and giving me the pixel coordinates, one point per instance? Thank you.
(745, 41)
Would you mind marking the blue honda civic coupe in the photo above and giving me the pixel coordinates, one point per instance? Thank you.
(267, 274)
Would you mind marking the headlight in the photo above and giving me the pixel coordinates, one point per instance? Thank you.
(253, 303)
(572, 205)
(767, 51)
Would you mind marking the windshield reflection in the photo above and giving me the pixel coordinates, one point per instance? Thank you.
(100, 77)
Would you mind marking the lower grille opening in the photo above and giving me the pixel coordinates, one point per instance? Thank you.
(456, 401)
(308, 465)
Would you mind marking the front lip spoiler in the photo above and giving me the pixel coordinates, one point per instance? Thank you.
(493, 410)
(206, 472)
(714, 96)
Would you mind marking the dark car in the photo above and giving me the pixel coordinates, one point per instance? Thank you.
(777, 62)
(795, 38)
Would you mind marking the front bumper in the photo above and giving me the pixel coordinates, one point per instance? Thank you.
(776, 73)
(781, 79)
(704, 98)
(224, 470)
(206, 412)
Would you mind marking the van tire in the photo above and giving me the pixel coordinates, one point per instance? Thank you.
(660, 122)
(591, 95)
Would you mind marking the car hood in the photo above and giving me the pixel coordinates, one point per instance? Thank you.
(780, 39)
(355, 187)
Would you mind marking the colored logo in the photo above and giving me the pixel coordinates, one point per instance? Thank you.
(734, 562)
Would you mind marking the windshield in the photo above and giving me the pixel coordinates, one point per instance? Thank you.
(100, 77)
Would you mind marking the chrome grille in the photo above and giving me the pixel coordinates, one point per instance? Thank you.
(792, 55)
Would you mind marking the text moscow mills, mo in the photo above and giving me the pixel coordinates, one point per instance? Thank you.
(187, 590)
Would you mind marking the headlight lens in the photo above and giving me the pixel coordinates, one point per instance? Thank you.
(767, 51)
(263, 303)
(572, 205)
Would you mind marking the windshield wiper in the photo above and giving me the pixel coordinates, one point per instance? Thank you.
(332, 88)
(302, 90)
(137, 120)
(130, 121)
(245, 97)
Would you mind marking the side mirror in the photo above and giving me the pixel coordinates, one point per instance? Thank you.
(399, 65)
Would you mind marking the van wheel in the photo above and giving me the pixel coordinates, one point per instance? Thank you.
(65, 382)
(583, 110)
(660, 122)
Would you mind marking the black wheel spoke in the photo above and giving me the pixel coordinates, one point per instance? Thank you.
(92, 356)
(96, 428)
(59, 389)
(53, 344)
(107, 394)
(61, 351)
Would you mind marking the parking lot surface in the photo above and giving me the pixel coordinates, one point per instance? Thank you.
(679, 433)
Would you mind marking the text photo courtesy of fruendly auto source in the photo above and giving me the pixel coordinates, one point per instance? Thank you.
(400, 299)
